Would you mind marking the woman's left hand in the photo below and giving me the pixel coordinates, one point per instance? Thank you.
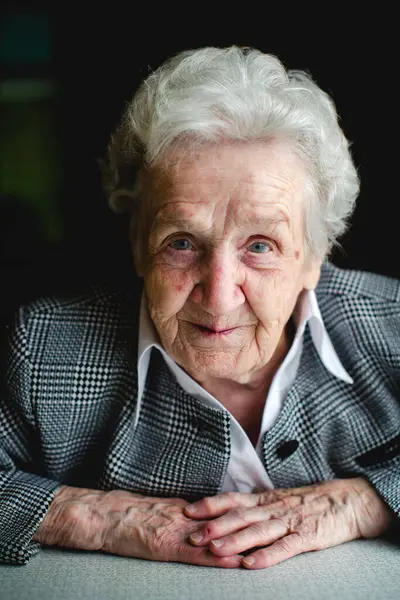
(278, 524)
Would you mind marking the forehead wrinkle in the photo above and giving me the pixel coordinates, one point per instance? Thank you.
(265, 225)
(200, 221)
(285, 187)
(271, 214)
(179, 216)
(223, 205)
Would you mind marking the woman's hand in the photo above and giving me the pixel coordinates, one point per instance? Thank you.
(126, 524)
(279, 524)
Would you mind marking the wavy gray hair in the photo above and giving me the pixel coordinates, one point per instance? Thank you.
(213, 94)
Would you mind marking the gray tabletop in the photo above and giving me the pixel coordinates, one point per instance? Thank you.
(362, 569)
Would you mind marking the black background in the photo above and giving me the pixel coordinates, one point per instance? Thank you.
(100, 55)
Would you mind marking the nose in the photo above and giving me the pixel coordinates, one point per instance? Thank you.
(218, 290)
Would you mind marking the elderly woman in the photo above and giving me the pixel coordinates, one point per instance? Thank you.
(240, 405)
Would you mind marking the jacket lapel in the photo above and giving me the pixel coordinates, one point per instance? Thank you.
(179, 447)
(294, 451)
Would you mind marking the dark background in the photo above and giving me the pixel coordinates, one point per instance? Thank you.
(94, 58)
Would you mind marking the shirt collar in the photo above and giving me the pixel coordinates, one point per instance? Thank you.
(306, 311)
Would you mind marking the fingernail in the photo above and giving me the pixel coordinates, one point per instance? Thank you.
(249, 561)
(217, 543)
(191, 508)
(196, 537)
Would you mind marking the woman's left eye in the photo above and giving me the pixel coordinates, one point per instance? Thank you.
(181, 244)
(259, 247)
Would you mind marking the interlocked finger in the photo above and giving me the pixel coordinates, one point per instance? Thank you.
(284, 548)
(239, 518)
(262, 533)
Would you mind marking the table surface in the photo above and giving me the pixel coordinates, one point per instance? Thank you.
(357, 570)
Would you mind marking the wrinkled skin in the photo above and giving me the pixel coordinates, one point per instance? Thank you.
(273, 525)
(126, 524)
(223, 258)
(283, 523)
(223, 247)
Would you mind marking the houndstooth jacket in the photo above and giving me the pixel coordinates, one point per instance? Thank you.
(68, 408)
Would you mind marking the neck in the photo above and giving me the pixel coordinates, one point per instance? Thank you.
(246, 401)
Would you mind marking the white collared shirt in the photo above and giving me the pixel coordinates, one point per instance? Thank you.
(246, 471)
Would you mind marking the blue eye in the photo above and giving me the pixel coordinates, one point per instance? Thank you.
(181, 244)
(259, 248)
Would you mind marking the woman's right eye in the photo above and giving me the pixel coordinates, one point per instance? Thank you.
(181, 244)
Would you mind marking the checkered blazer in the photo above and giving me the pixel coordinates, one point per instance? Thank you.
(68, 412)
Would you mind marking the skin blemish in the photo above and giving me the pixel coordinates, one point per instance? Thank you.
(297, 254)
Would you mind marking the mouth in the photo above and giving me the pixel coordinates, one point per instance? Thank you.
(211, 331)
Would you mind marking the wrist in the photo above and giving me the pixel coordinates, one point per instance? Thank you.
(72, 519)
(373, 515)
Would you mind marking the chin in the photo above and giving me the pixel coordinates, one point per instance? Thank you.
(214, 366)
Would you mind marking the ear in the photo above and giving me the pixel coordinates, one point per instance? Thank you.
(312, 273)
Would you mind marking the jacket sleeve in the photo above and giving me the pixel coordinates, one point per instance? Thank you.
(25, 495)
(381, 464)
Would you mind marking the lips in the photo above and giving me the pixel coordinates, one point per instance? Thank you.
(206, 329)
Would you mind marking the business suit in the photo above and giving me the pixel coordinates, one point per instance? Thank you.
(68, 414)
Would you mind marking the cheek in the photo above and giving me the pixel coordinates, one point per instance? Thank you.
(270, 294)
(167, 290)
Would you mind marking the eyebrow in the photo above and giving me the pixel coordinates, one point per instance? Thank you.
(164, 220)
(274, 218)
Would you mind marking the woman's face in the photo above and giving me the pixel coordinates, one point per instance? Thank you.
(223, 256)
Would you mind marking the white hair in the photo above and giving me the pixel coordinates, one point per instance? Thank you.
(217, 94)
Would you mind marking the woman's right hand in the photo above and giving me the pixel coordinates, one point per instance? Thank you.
(127, 524)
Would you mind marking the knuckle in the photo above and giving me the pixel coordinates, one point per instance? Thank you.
(312, 532)
(274, 495)
(305, 538)
(295, 519)
(288, 502)
(233, 539)
(258, 529)
(210, 530)
(239, 513)
(282, 521)
(286, 544)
